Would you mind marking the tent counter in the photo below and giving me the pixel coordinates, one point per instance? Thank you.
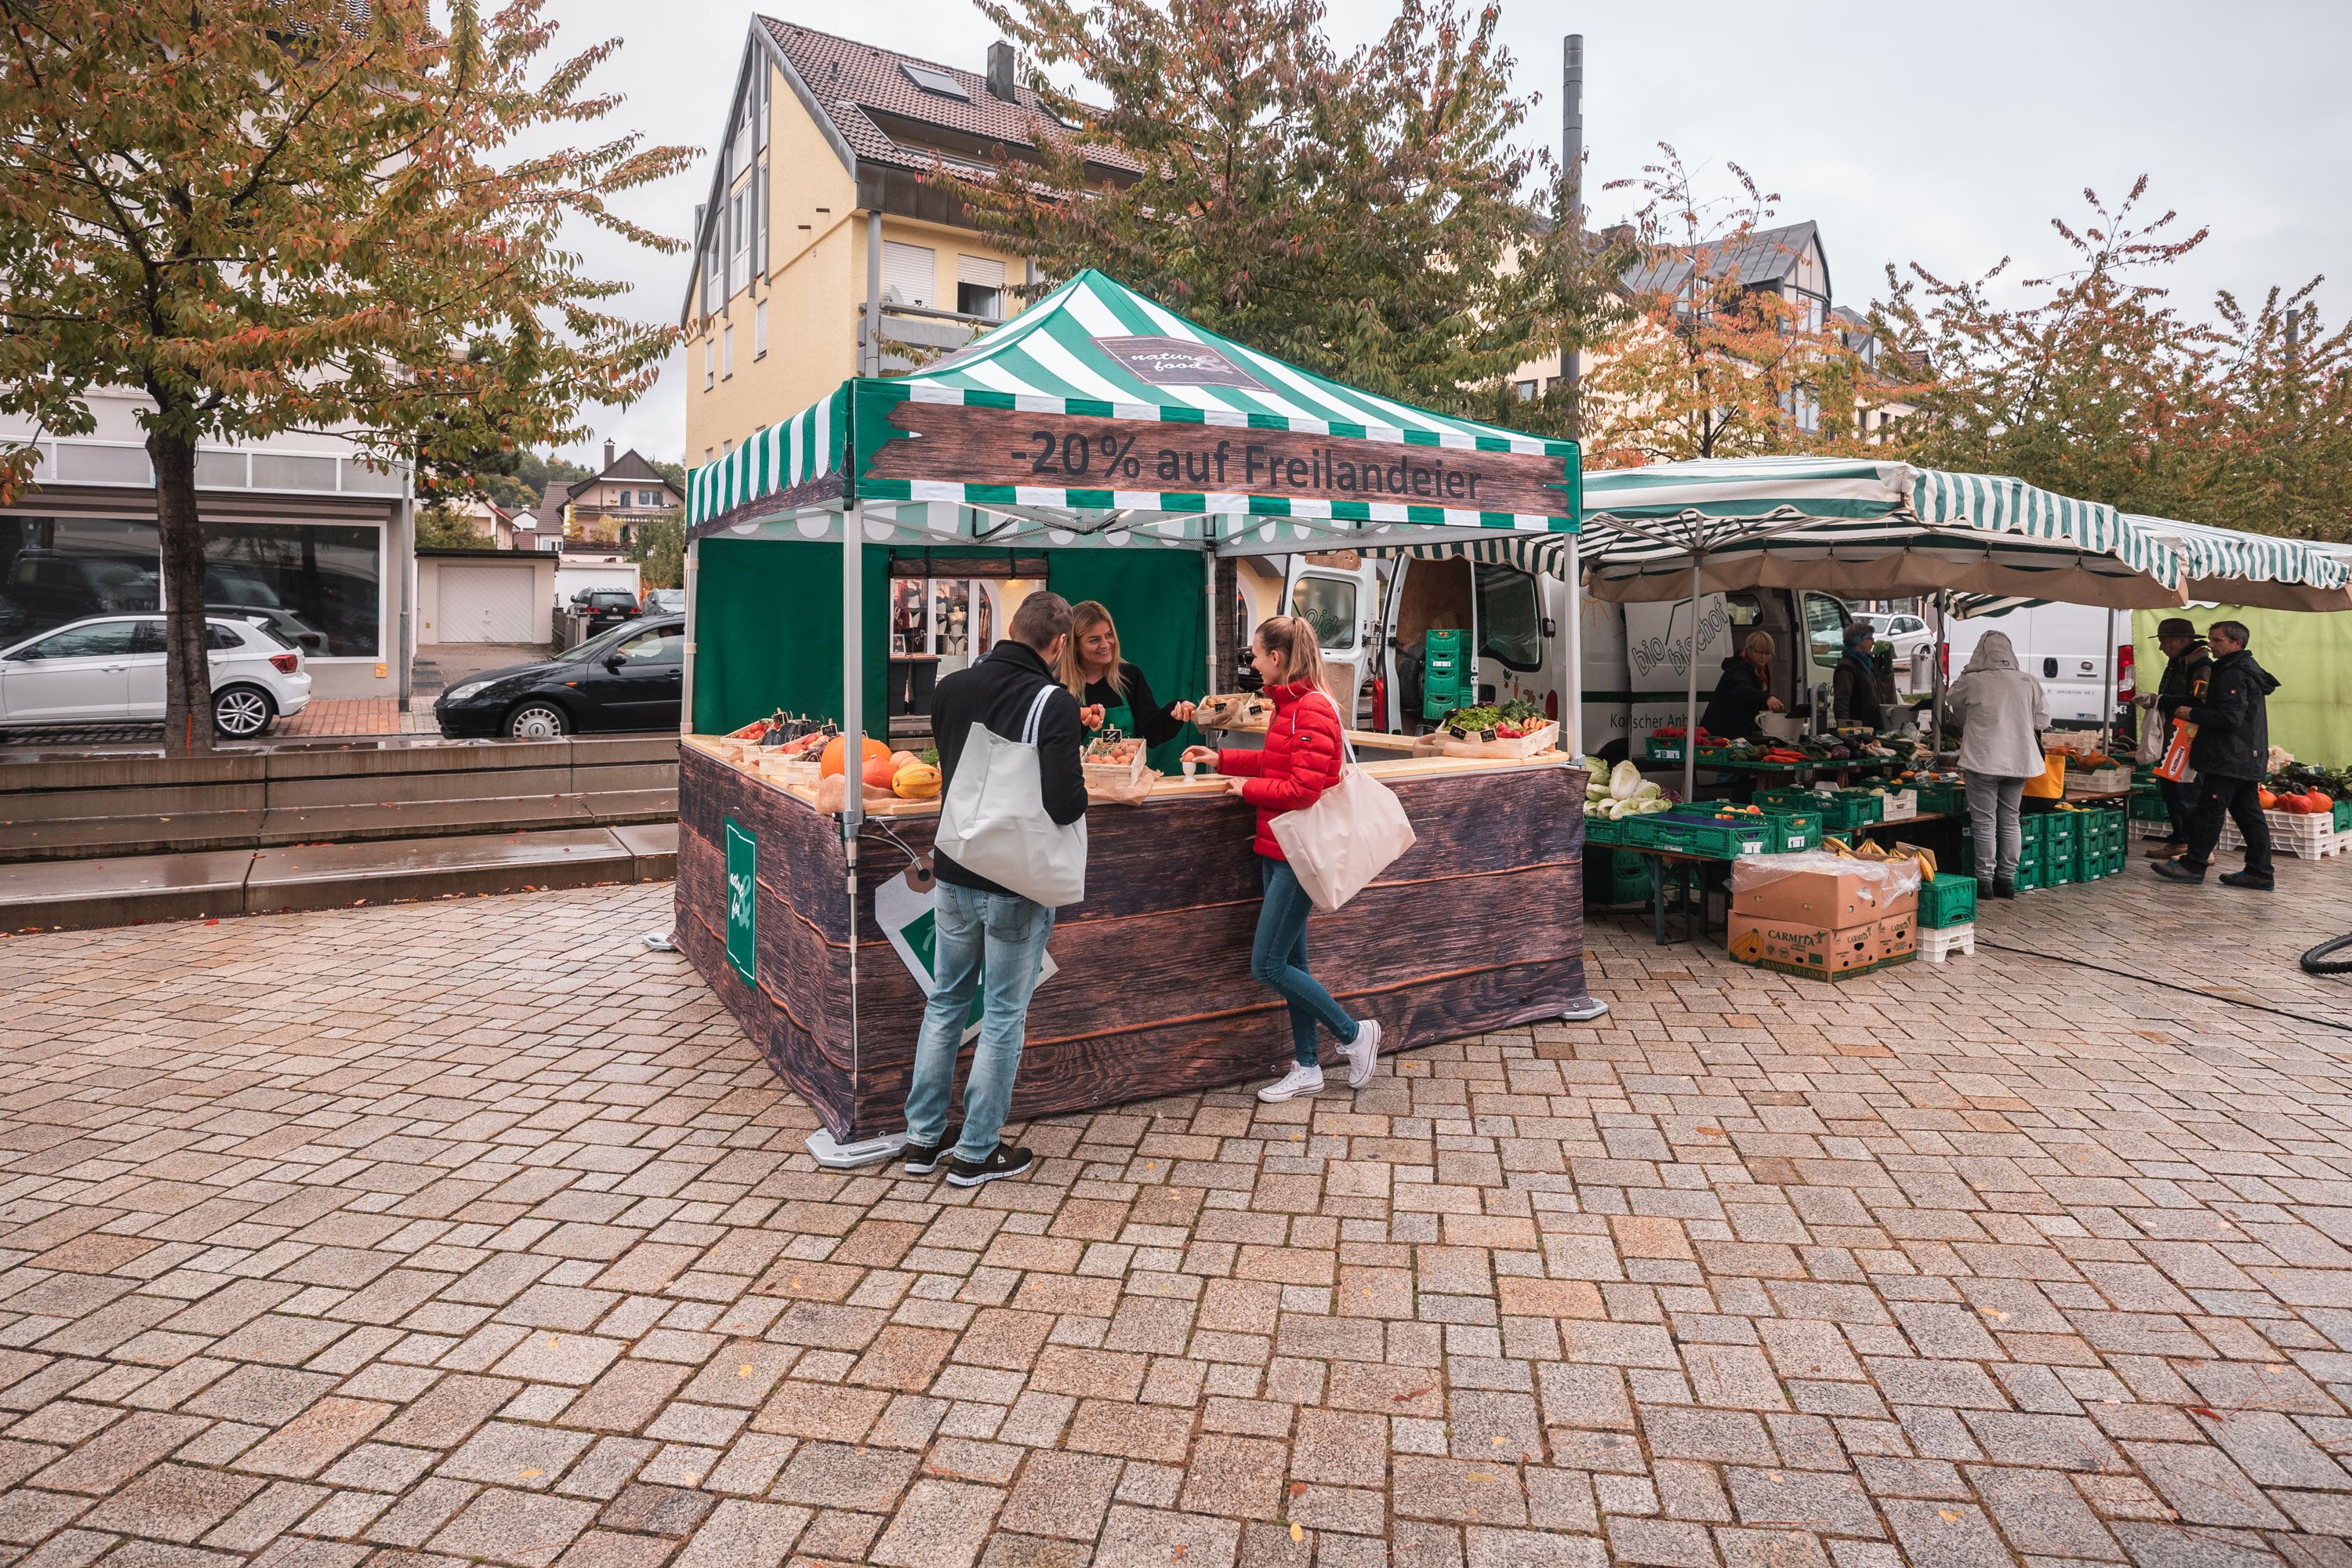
(1479, 926)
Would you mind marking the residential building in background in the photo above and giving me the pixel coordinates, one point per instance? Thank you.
(823, 251)
(298, 525)
(609, 506)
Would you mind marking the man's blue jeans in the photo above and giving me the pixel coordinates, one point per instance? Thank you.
(988, 941)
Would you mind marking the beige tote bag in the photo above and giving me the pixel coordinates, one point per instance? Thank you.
(1347, 837)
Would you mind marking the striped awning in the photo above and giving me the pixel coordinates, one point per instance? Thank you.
(1861, 529)
(1096, 350)
(2225, 566)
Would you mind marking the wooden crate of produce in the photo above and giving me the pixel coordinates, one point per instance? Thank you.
(1458, 743)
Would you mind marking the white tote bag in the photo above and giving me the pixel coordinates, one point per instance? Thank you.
(1349, 835)
(994, 821)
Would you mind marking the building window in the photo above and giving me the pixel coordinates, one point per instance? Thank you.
(710, 365)
(727, 449)
(979, 287)
(726, 352)
(708, 456)
(910, 274)
(1524, 391)
(739, 232)
(758, 329)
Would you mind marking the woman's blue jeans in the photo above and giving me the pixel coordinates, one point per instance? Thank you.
(1278, 959)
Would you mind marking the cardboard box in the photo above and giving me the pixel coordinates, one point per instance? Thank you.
(1798, 947)
(1837, 901)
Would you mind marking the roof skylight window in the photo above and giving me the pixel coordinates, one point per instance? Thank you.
(933, 81)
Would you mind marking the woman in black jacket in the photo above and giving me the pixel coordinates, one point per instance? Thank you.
(1744, 695)
(1111, 692)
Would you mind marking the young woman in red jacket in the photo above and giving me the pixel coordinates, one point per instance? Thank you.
(1301, 758)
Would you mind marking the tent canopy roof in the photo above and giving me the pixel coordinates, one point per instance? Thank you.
(1096, 351)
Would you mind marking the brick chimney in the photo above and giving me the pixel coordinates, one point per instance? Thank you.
(1003, 63)
(608, 454)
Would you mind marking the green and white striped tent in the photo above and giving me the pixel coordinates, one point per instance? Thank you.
(1855, 527)
(1074, 353)
(2226, 566)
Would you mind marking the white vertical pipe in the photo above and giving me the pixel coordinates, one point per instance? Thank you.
(853, 732)
(2107, 703)
(1572, 737)
(686, 675)
(1209, 608)
(1690, 698)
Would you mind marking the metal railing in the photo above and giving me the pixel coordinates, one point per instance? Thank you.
(75, 460)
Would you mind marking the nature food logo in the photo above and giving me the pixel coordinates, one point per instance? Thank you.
(742, 877)
(1175, 362)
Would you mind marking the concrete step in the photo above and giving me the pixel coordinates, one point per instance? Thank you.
(84, 895)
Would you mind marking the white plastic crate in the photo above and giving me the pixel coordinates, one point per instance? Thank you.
(1902, 806)
(2293, 833)
(2151, 830)
(1935, 946)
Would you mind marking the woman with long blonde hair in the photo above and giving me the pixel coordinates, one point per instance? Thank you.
(1302, 758)
(1111, 692)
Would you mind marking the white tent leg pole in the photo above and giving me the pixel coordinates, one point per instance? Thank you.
(852, 728)
(686, 675)
(1690, 698)
(1209, 599)
(1943, 658)
(1571, 739)
(2107, 703)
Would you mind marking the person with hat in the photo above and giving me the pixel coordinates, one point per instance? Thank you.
(2231, 756)
(2188, 664)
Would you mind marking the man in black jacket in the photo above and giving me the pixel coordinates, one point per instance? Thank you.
(2187, 664)
(987, 938)
(2232, 754)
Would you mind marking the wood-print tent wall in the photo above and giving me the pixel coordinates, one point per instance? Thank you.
(1099, 420)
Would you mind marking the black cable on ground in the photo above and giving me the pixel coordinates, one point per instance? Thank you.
(2191, 989)
(2319, 959)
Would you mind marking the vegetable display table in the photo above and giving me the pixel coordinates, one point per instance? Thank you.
(1479, 926)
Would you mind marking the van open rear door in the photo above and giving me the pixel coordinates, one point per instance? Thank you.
(1342, 603)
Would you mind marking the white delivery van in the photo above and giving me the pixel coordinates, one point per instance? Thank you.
(2064, 648)
(1374, 614)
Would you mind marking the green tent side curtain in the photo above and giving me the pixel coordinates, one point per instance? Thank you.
(1085, 349)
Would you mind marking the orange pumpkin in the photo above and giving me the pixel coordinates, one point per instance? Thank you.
(838, 748)
(2319, 801)
(2265, 798)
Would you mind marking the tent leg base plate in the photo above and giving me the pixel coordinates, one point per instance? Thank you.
(835, 1156)
(1591, 1009)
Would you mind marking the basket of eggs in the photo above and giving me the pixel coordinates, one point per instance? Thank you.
(1113, 760)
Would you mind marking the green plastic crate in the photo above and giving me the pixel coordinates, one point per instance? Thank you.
(1942, 799)
(2149, 807)
(1947, 900)
(1777, 800)
(1656, 750)
(2059, 836)
(1862, 808)
(1792, 831)
(2030, 868)
(2344, 816)
(1712, 840)
(2034, 828)
(1600, 830)
(1613, 876)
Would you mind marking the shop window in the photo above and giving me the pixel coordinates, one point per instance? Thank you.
(54, 569)
(327, 577)
(1510, 621)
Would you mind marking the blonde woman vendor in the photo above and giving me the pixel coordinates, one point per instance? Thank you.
(1112, 693)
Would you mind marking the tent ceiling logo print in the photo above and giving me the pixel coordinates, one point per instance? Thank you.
(1173, 362)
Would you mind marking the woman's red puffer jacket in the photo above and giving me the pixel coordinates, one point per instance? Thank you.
(1301, 758)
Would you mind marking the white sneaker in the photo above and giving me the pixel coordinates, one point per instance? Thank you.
(1363, 1053)
(1297, 1082)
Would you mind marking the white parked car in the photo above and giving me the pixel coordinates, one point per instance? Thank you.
(1902, 629)
(109, 670)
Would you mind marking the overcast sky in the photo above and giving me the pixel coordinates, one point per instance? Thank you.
(1944, 135)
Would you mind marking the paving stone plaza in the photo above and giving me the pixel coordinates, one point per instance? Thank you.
(473, 1232)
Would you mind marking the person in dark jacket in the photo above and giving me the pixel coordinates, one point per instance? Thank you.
(1854, 685)
(1744, 695)
(987, 937)
(2232, 754)
(2187, 663)
(1112, 693)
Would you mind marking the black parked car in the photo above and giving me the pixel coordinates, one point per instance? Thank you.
(606, 608)
(631, 678)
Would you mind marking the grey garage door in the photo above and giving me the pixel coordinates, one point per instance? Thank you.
(486, 601)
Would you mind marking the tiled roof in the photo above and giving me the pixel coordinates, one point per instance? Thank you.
(847, 79)
(630, 466)
(1765, 256)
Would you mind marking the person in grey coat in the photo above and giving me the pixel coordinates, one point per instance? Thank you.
(2002, 712)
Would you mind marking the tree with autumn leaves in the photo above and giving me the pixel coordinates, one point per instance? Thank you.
(279, 214)
(1352, 212)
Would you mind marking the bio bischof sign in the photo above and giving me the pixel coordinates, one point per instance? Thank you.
(1062, 451)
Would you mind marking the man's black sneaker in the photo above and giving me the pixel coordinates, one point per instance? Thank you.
(2004, 887)
(2246, 880)
(2178, 871)
(1001, 1161)
(922, 1159)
